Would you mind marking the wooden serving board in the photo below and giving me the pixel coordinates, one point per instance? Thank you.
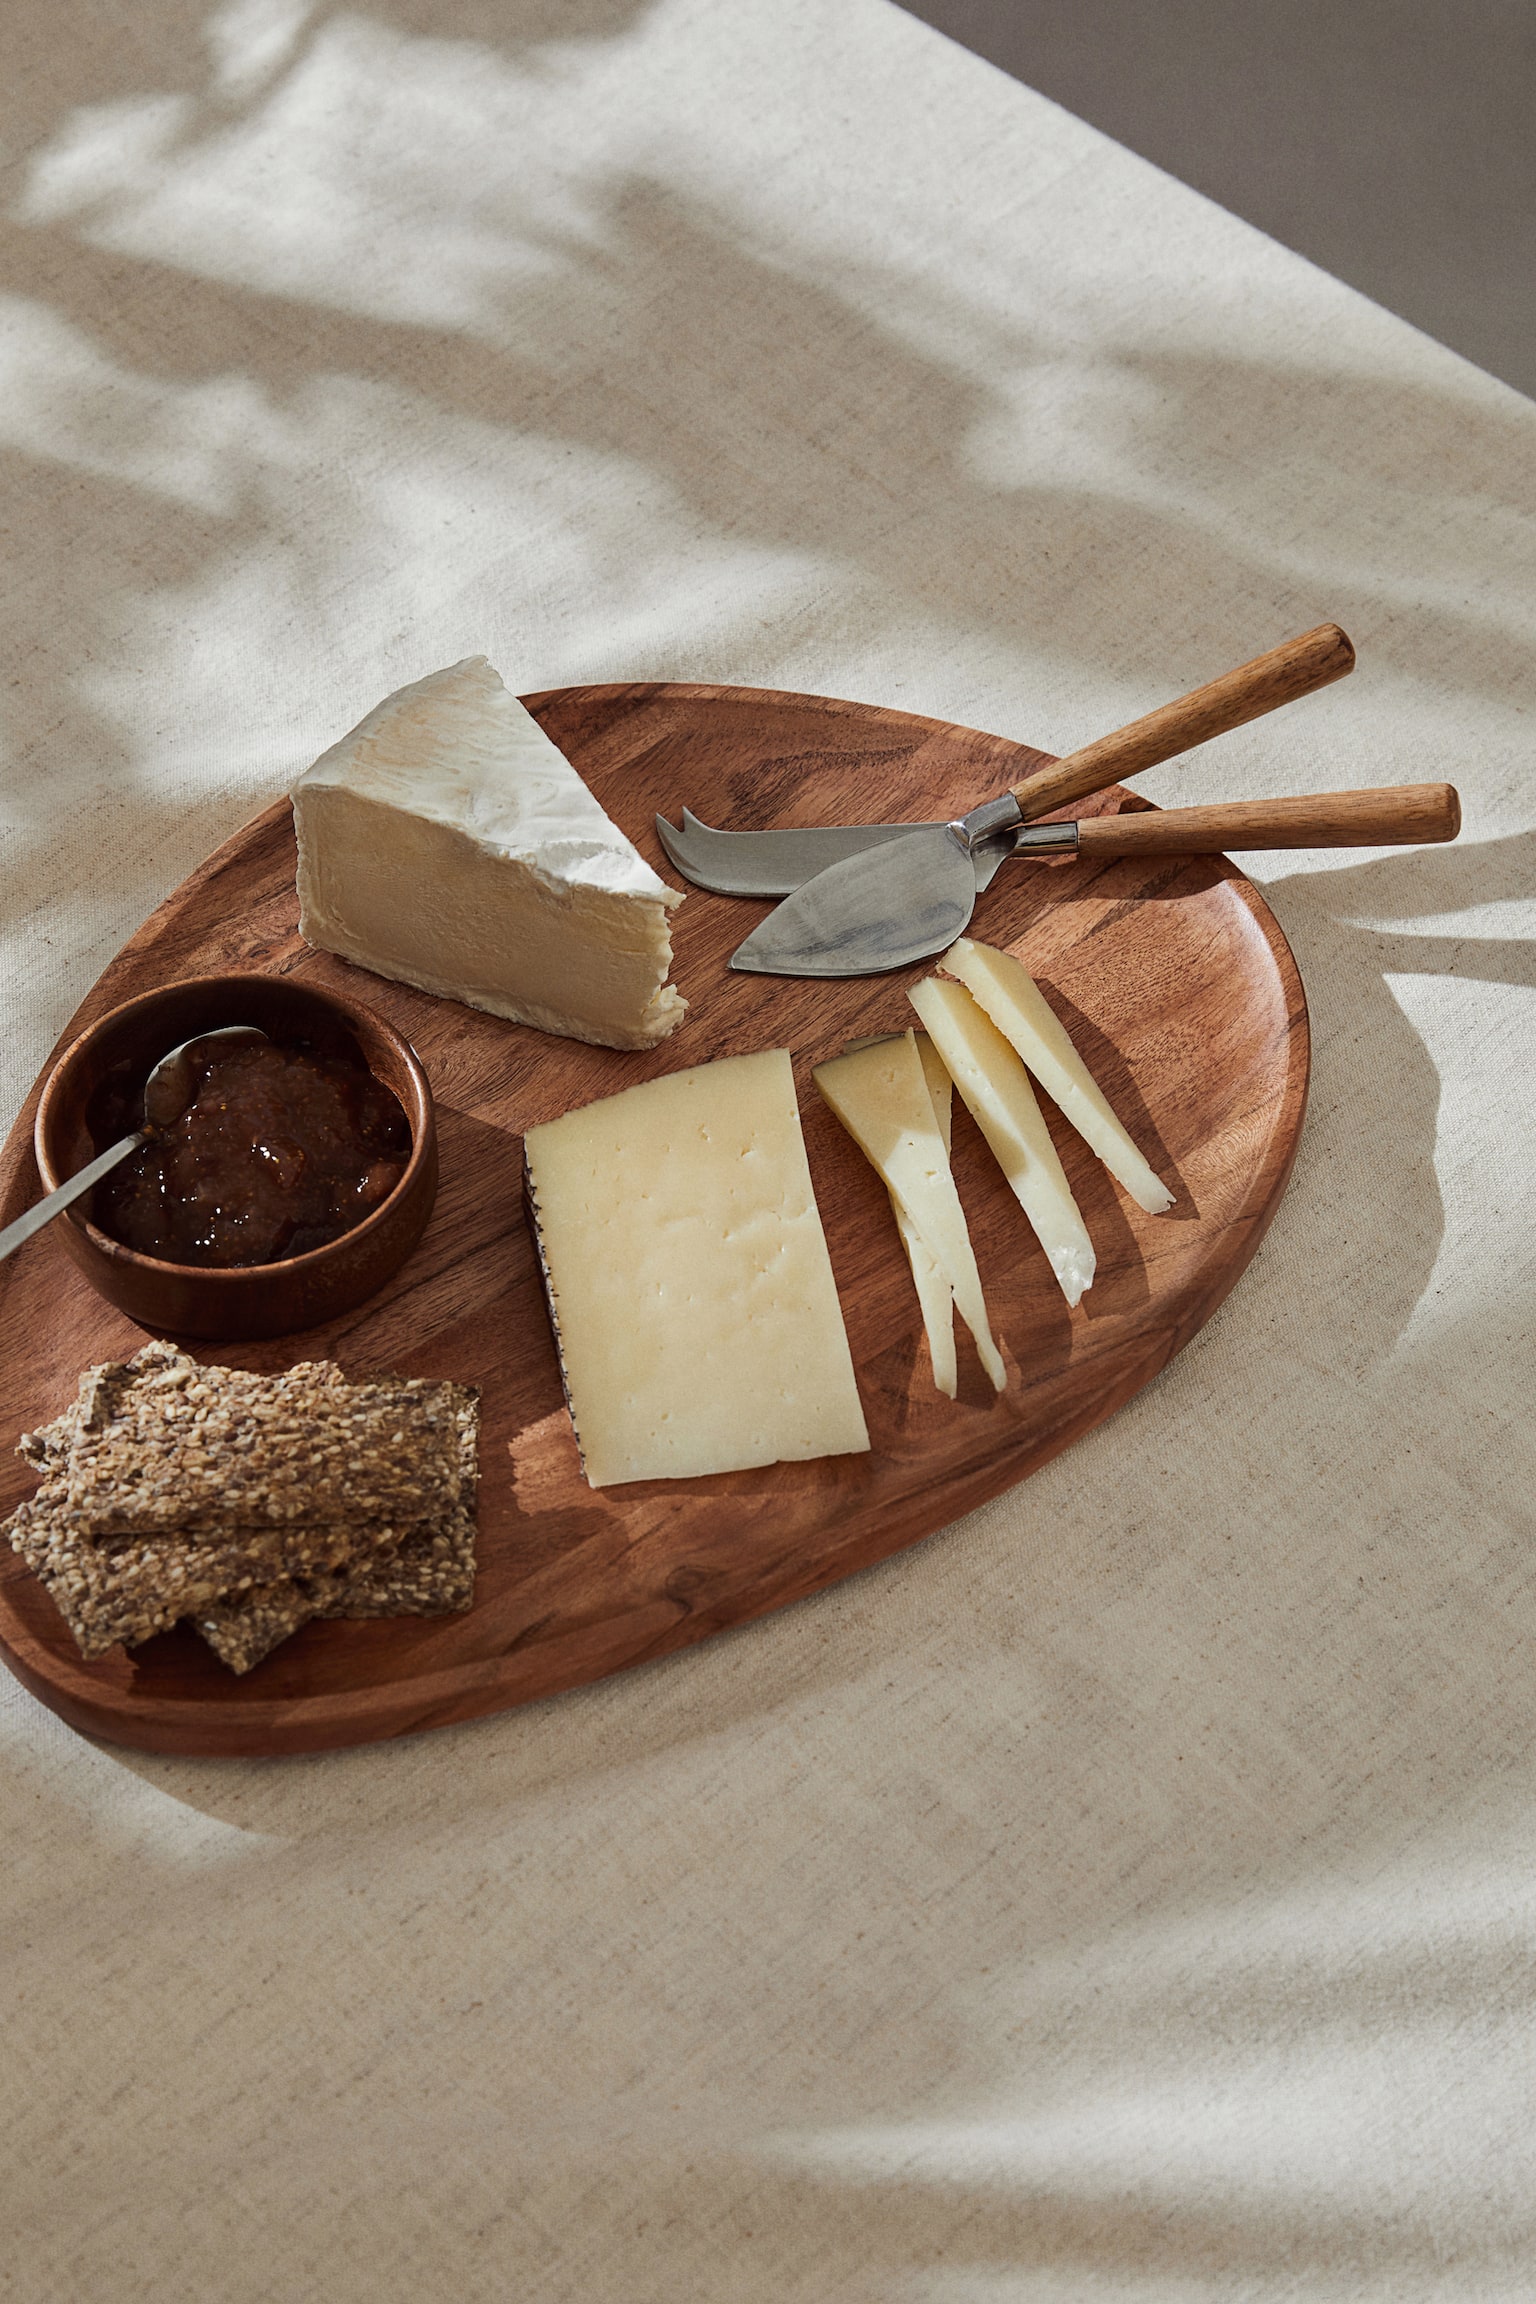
(1178, 988)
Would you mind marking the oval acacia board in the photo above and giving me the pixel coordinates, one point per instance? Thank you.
(1178, 988)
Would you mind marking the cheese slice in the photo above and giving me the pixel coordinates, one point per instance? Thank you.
(447, 842)
(881, 1096)
(688, 1278)
(941, 1089)
(997, 1094)
(935, 1297)
(1021, 1012)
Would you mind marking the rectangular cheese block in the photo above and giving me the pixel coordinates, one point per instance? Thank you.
(880, 1093)
(447, 842)
(1005, 989)
(689, 1283)
(997, 1093)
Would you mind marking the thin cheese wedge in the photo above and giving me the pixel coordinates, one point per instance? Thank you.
(881, 1096)
(998, 1095)
(689, 1284)
(936, 1298)
(1021, 1012)
(941, 1089)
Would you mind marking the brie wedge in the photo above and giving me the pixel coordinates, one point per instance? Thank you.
(447, 842)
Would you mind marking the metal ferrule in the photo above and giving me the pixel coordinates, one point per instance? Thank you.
(1045, 840)
(987, 821)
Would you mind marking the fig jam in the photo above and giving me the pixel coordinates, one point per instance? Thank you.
(282, 1149)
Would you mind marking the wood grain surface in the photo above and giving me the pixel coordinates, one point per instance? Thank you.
(1172, 976)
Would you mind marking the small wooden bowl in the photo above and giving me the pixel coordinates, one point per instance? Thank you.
(255, 1300)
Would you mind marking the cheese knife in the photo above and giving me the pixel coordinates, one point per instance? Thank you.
(775, 863)
(910, 898)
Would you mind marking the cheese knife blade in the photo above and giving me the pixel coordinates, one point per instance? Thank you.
(777, 862)
(913, 897)
(892, 904)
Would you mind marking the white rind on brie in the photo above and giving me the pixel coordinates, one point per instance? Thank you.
(448, 843)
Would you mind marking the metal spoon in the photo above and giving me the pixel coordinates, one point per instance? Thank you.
(168, 1091)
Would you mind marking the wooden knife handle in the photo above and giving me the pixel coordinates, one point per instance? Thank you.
(1390, 817)
(1277, 677)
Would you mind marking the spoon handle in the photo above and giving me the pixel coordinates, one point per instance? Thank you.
(45, 1211)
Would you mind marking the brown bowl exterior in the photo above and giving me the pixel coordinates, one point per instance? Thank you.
(250, 1301)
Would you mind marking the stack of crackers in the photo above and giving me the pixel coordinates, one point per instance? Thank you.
(249, 1505)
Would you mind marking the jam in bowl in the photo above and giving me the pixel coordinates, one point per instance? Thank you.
(284, 1145)
(295, 1182)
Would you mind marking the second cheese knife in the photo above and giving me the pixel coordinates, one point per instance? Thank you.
(903, 902)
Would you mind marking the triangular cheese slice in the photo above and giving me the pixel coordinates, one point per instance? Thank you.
(935, 1297)
(880, 1093)
(997, 1094)
(1021, 1012)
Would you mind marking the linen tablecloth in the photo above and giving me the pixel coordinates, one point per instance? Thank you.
(1129, 1892)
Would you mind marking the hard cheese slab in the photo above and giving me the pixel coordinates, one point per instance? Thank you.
(1177, 986)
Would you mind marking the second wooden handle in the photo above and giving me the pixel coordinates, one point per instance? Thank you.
(1277, 677)
(1390, 817)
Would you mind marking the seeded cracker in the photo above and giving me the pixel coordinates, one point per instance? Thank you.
(257, 1580)
(430, 1574)
(160, 1443)
(146, 1584)
(244, 1628)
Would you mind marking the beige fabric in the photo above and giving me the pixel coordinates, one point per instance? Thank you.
(1128, 1894)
